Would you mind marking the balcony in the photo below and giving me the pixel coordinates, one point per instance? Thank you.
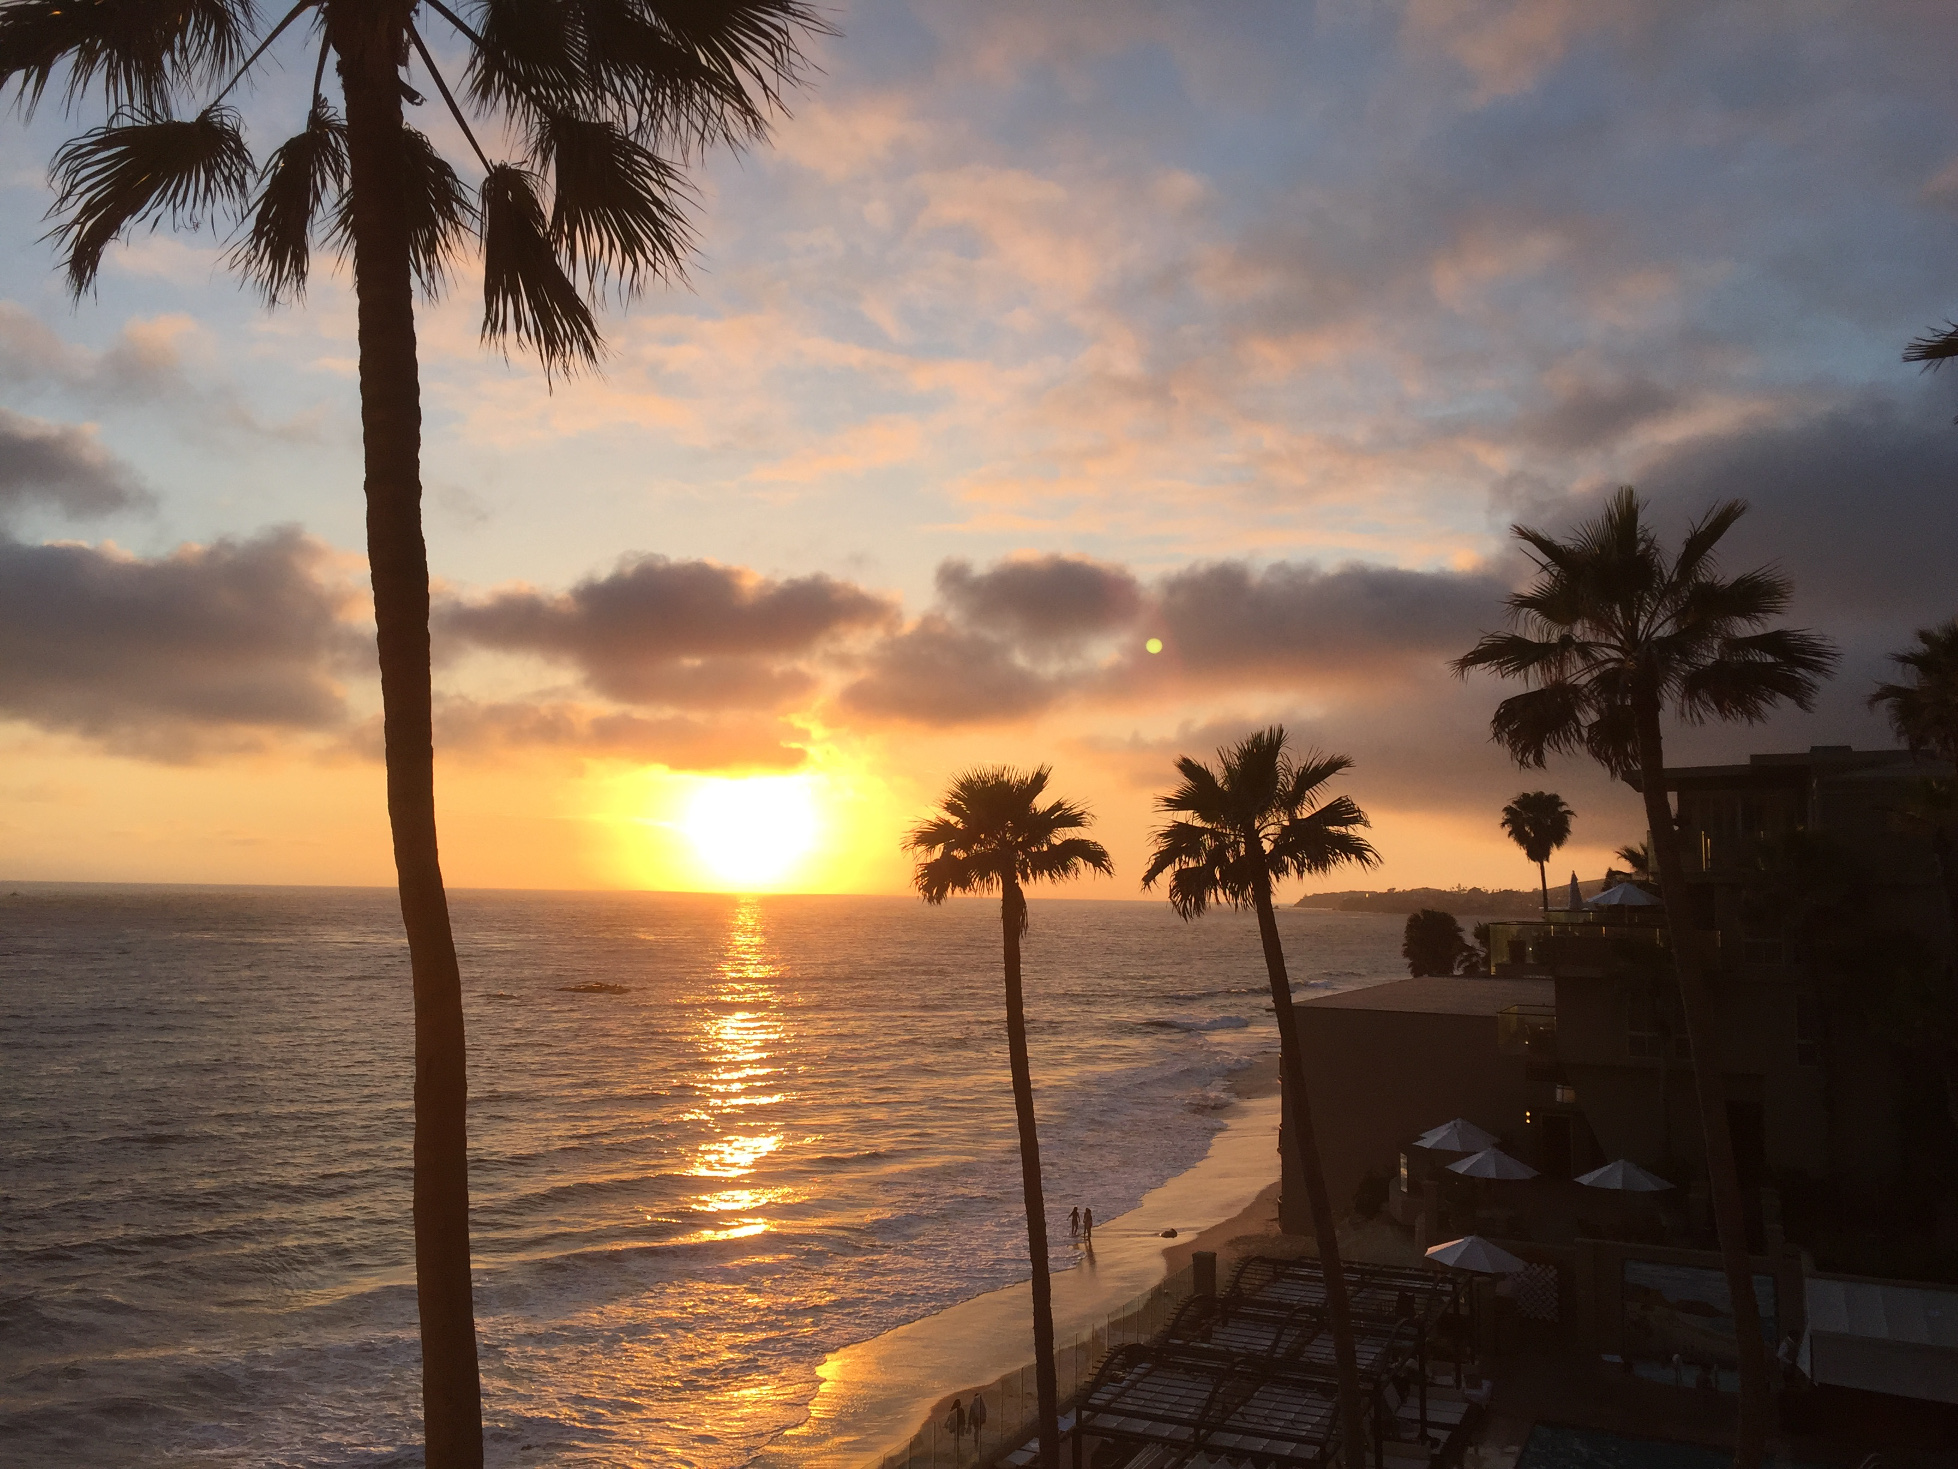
(1527, 1030)
(1579, 946)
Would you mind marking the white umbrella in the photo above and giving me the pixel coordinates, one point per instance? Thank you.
(1625, 895)
(1626, 1176)
(1459, 1136)
(1492, 1163)
(1473, 1252)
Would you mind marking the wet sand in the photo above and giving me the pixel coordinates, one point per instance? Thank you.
(876, 1394)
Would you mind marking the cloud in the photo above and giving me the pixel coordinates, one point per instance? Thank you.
(688, 634)
(1030, 633)
(63, 466)
(168, 657)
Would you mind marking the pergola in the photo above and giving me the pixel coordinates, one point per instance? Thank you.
(1249, 1375)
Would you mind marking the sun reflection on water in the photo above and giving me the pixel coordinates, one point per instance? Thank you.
(740, 1040)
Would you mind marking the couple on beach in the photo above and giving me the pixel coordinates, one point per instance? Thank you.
(1081, 1223)
(962, 1418)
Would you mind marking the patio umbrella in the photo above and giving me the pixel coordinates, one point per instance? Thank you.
(1625, 1176)
(1576, 898)
(1491, 1163)
(1473, 1252)
(1459, 1136)
(1625, 895)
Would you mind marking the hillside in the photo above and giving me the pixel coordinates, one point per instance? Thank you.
(1479, 902)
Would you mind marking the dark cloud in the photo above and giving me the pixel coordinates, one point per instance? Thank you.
(1224, 620)
(1596, 415)
(1041, 599)
(1223, 624)
(62, 466)
(681, 633)
(161, 657)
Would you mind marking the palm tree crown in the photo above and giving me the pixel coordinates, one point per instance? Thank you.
(1613, 623)
(1255, 818)
(1538, 822)
(993, 835)
(1924, 712)
(598, 97)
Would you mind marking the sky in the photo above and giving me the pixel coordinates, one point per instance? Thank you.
(1035, 332)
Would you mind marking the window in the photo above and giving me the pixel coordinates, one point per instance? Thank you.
(1642, 1039)
(1403, 1173)
(1808, 1032)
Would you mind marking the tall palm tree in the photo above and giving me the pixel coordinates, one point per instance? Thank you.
(992, 834)
(1612, 636)
(1637, 856)
(1259, 817)
(1539, 823)
(597, 96)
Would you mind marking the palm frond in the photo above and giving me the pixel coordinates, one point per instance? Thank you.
(1753, 674)
(138, 49)
(300, 176)
(1323, 841)
(1540, 722)
(705, 72)
(114, 176)
(526, 294)
(1934, 348)
(938, 878)
(436, 206)
(1066, 859)
(617, 210)
(1702, 537)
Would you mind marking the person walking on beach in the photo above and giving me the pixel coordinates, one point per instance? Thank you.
(1074, 1221)
(1087, 1224)
(976, 1416)
(955, 1420)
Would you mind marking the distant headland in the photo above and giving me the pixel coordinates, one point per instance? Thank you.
(1485, 902)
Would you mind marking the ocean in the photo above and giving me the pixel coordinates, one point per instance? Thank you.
(713, 1140)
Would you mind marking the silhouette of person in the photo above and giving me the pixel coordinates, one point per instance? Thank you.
(976, 1416)
(956, 1421)
(1074, 1221)
(1088, 1223)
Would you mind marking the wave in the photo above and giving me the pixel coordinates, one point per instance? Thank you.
(1192, 1025)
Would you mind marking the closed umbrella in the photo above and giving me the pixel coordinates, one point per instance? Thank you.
(1473, 1252)
(1625, 1176)
(1459, 1136)
(1491, 1163)
(1576, 899)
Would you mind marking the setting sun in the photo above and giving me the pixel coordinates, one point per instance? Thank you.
(751, 833)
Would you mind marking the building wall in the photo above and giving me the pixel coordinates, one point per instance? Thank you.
(1379, 1078)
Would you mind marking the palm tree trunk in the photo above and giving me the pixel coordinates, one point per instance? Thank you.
(1543, 881)
(390, 411)
(1012, 919)
(1709, 1083)
(1298, 1109)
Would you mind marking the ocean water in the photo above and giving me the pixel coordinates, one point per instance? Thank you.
(782, 1127)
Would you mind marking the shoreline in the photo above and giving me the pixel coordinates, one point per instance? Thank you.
(874, 1395)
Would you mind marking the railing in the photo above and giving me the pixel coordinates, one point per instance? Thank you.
(1012, 1415)
(1578, 947)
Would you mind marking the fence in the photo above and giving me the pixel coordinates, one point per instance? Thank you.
(1011, 1401)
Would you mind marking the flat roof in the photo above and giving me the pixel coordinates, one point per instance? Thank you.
(1442, 995)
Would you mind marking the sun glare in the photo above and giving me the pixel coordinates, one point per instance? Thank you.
(752, 833)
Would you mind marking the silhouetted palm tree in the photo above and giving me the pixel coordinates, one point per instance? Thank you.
(1612, 635)
(598, 95)
(1258, 818)
(1637, 856)
(1539, 823)
(993, 835)
(1924, 715)
(1432, 942)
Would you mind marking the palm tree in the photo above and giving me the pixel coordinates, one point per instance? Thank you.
(1539, 823)
(1432, 942)
(1924, 715)
(1637, 856)
(597, 94)
(1611, 635)
(992, 834)
(1257, 818)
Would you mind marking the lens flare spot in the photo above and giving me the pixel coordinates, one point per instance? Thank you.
(1154, 645)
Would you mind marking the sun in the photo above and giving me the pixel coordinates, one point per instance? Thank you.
(752, 833)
